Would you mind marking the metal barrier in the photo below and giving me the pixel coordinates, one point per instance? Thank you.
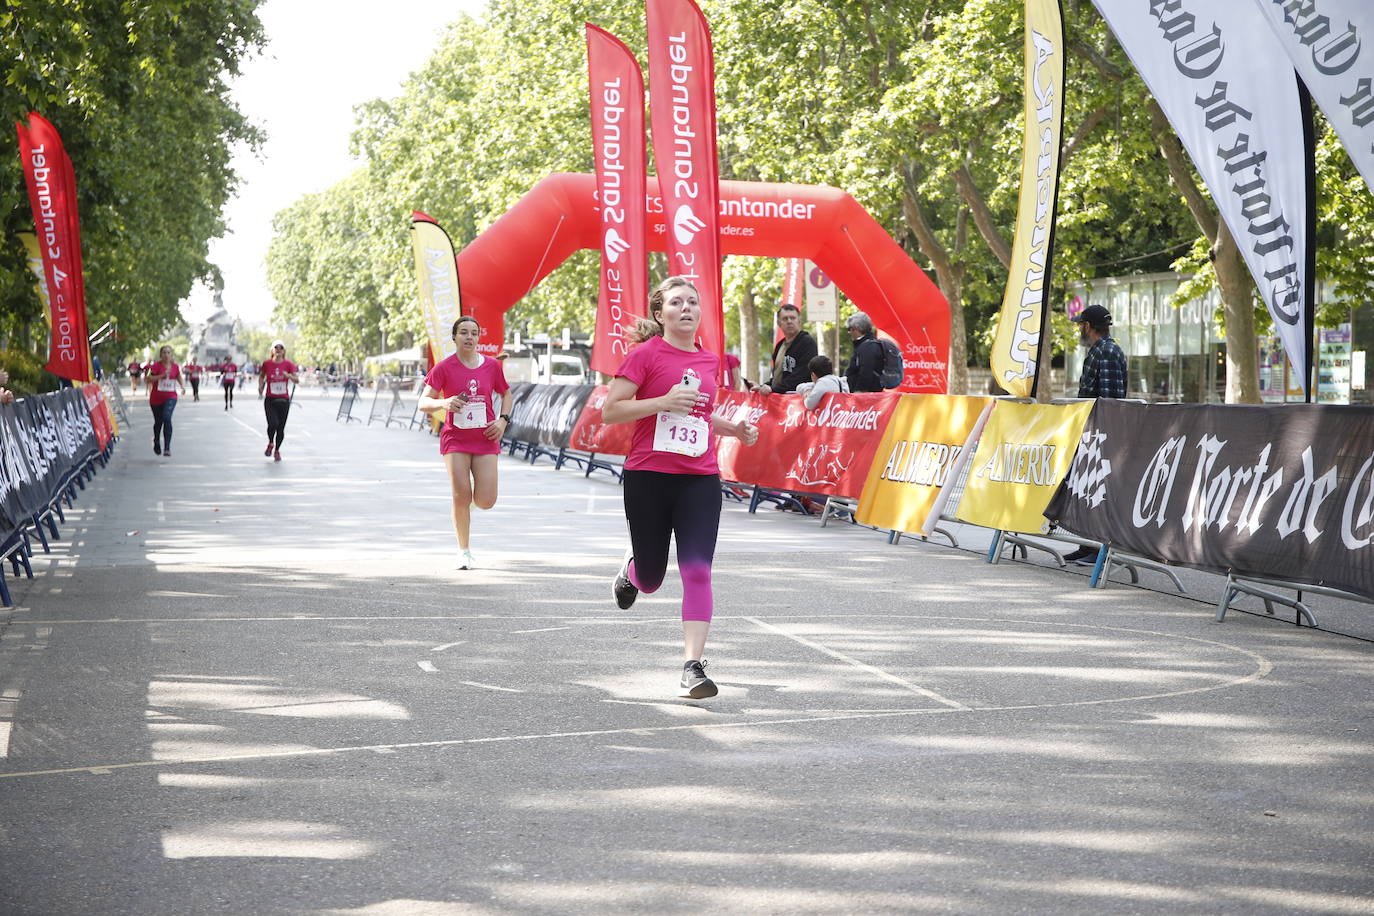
(1264, 590)
(350, 397)
(114, 396)
(388, 402)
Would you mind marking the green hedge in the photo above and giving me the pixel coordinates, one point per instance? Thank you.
(27, 375)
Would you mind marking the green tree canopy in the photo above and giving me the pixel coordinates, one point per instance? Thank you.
(137, 89)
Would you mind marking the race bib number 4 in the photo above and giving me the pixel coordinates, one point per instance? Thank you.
(276, 388)
(680, 435)
(166, 384)
(472, 416)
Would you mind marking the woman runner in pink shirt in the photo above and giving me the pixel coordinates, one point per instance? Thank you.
(164, 377)
(469, 388)
(275, 376)
(667, 387)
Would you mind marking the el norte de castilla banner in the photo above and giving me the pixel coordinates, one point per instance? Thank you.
(1224, 82)
(1276, 492)
(1325, 41)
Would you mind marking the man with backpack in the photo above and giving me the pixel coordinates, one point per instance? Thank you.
(876, 363)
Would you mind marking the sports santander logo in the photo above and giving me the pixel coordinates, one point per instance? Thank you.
(614, 246)
(686, 225)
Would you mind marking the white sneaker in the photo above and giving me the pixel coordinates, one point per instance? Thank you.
(466, 561)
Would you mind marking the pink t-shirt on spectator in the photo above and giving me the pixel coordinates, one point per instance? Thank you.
(732, 371)
(275, 371)
(163, 387)
(656, 366)
(451, 377)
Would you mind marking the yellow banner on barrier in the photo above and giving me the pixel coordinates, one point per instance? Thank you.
(920, 445)
(1024, 453)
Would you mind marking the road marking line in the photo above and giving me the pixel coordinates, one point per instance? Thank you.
(541, 630)
(1263, 668)
(428, 666)
(448, 645)
(863, 666)
(490, 686)
(256, 432)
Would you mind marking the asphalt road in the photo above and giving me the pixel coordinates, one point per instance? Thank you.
(240, 686)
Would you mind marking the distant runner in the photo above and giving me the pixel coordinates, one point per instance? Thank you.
(193, 371)
(163, 379)
(469, 388)
(135, 372)
(276, 374)
(228, 373)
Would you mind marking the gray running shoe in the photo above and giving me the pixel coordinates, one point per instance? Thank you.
(695, 684)
(622, 588)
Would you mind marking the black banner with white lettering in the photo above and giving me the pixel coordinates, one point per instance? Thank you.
(42, 439)
(1281, 492)
(546, 414)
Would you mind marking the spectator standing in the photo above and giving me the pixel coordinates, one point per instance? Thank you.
(163, 380)
(865, 372)
(1103, 376)
(791, 354)
(6, 396)
(1104, 368)
(273, 376)
(733, 381)
(666, 387)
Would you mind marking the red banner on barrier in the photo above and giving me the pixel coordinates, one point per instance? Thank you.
(100, 413)
(591, 434)
(827, 450)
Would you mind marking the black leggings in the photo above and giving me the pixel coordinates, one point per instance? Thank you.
(228, 394)
(277, 411)
(195, 388)
(659, 506)
(162, 422)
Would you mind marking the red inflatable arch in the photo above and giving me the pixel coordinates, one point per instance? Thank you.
(559, 216)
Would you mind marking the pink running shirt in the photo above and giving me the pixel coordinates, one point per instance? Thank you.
(163, 387)
(451, 377)
(278, 385)
(656, 366)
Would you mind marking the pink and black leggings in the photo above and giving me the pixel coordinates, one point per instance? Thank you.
(662, 506)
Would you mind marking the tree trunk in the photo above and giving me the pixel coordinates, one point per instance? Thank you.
(1242, 358)
(749, 335)
(949, 276)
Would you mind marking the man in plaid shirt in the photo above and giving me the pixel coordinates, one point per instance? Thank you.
(1104, 368)
(1104, 376)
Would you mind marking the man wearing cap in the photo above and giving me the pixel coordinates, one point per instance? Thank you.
(1104, 368)
(1104, 376)
(273, 376)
